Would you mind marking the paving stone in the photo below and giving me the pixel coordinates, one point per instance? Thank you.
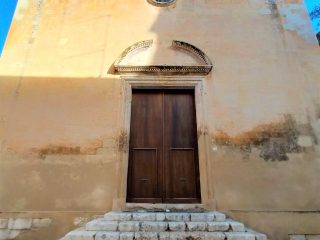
(145, 236)
(178, 217)
(4, 223)
(218, 226)
(118, 216)
(107, 236)
(129, 226)
(239, 236)
(214, 236)
(154, 226)
(237, 226)
(19, 223)
(102, 225)
(177, 226)
(196, 226)
(144, 216)
(198, 217)
(80, 235)
(127, 236)
(160, 216)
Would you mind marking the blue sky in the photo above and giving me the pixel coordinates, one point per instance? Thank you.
(7, 8)
(312, 4)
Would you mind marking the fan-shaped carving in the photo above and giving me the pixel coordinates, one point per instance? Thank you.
(204, 67)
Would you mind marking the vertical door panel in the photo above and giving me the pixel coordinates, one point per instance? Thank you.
(146, 138)
(180, 148)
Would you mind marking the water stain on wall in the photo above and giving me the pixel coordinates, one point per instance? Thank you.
(122, 140)
(274, 140)
(69, 149)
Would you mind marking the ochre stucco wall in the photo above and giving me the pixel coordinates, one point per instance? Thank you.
(61, 121)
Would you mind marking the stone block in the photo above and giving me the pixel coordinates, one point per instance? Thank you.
(297, 237)
(218, 226)
(196, 226)
(164, 235)
(178, 217)
(239, 236)
(154, 226)
(195, 235)
(198, 217)
(160, 216)
(260, 236)
(102, 225)
(129, 226)
(80, 235)
(118, 216)
(177, 226)
(313, 237)
(305, 141)
(211, 216)
(127, 236)
(219, 217)
(237, 226)
(8, 234)
(144, 216)
(214, 236)
(41, 222)
(145, 236)
(4, 223)
(19, 223)
(178, 235)
(107, 236)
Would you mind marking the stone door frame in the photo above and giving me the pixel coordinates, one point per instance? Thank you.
(173, 82)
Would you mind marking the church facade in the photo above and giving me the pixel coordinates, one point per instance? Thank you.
(205, 103)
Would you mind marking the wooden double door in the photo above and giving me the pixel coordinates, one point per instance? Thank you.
(163, 152)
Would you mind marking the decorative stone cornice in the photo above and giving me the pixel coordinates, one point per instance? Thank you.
(202, 69)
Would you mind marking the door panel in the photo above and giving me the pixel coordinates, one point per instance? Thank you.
(145, 133)
(180, 148)
(163, 157)
(143, 183)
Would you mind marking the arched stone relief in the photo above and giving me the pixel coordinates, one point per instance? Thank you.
(203, 68)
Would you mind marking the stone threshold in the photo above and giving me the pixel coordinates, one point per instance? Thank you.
(164, 207)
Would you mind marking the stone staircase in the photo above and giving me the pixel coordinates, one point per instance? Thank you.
(138, 225)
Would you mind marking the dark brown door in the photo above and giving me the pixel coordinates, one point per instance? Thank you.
(163, 157)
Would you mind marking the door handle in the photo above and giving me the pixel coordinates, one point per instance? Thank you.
(144, 179)
(183, 179)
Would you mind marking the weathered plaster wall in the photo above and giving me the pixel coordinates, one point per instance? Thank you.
(60, 107)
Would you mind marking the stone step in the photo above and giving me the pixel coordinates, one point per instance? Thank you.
(165, 216)
(102, 224)
(174, 235)
(144, 225)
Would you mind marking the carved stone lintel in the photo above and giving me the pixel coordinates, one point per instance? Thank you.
(203, 69)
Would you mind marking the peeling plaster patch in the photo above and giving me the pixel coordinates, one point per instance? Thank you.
(273, 140)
